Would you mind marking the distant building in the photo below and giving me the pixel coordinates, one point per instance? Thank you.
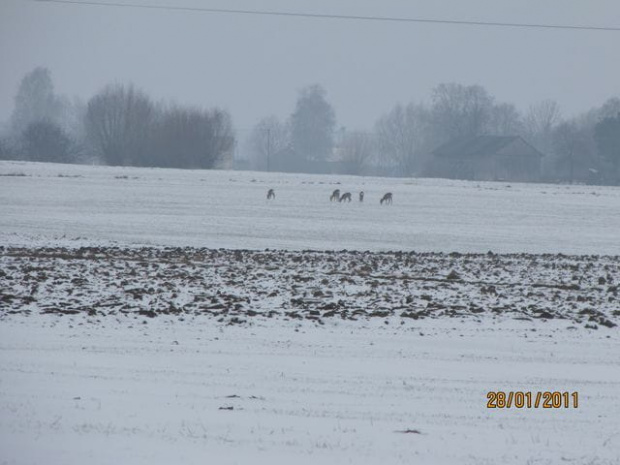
(487, 158)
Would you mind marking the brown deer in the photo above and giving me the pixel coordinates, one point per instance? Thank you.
(345, 196)
(335, 196)
(271, 194)
(387, 198)
(361, 196)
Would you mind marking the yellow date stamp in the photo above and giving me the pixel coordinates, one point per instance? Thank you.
(529, 399)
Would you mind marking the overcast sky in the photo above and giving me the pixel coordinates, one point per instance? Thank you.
(254, 65)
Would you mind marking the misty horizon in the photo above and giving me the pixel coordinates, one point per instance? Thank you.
(365, 68)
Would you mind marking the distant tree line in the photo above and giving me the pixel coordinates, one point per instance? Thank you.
(584, 148)
(120, 125)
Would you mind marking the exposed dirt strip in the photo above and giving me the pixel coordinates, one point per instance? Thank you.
(235, 286)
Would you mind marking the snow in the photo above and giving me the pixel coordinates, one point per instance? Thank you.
(235, 286)
(88, 375)
(151, 393)
(56, 204)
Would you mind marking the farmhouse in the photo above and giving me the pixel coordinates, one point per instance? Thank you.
(487, 158)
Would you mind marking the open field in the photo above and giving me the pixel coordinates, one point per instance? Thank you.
(229, 209)
(142, 321)
(76, 390)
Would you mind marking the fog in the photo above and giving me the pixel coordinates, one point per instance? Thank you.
(327, 231)
(254, 66)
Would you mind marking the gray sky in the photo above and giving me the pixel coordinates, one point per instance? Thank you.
(253, 66)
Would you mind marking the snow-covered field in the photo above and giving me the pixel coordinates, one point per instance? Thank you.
(237, 286)
(74, 392)
(229, 209)
(111, 352)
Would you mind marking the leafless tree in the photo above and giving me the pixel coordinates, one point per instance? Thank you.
(269, 137)
(571, 154)
(609, 109)
(540, 121)
(221, 139)
(505, 120)
(72, 116)
(460, 111)
(119, 122)
(607, 137)
(402, 137)
(543, 117)
(575, 148)
(185, 137)
(356, 150)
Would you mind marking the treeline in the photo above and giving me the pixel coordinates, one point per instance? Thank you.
(584, 148)
(120, 125)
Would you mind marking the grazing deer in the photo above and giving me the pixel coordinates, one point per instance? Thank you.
(335, 196)
(387, 198)
(271, 194)
(361, 196)
(345, 196)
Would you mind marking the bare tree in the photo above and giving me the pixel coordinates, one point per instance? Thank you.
(607, 137)
(540, 121)
(269, 137)
(72, 116)
(356, 150)
(402, 137)
(221, 137)
(579, 135)
(543, 116)
(571, 153)
(609, 109)
(505, 120)
(460, 111)
(191, 138)
(119, 122)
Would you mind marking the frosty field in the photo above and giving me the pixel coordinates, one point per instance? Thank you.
(142, 321)
(158, 393)
(229, 209)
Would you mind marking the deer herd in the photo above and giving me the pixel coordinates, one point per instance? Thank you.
(345, 197)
